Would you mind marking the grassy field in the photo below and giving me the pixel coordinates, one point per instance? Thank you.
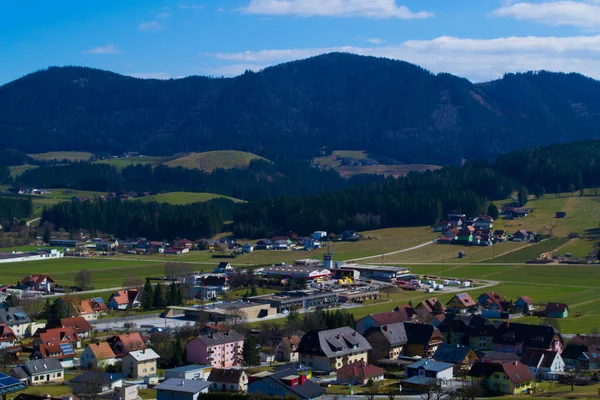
(186, 197)
(123, 162)
(531, 251)
(579, 248)
(211, 160)
(17, 170)
(62, 155)
(65, 194)
(348, 171)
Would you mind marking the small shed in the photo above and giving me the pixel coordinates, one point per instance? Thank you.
(561, 214)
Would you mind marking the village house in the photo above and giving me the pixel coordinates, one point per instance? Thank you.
(494, 305)
(90, 309)
(331, 349)
(287, 383)
(523, 304)
(287, 349)
(219, 349)
(181, 389)
(582, 353)
(425, 372)
(7, 337)
(422, 340)
(429, 308)
(521, 236)
(125, 343)
(223, 268)
(81, 326)
(97, 356)
(387, 341)
(63, 352)
(37, 283)
(228, 380)
(140, 363)
(543, 364)
(99, 383)
(39, 372)
(483, 221)
(516, 337)
(507, 378)
(500, 235)
(125, 299)
(455, 354)
(557, 310)
(383, 318)
(465, 235)
(469, 330)
(57, 336)
(193, 371)
(359, 373)
(16, 319)
(461, 303)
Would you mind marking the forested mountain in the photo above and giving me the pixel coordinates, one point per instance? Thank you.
(298, 109)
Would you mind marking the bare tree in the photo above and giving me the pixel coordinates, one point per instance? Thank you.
(132, 282)
(235, 317)
(83, 280)
(33, 306)
(176, 269)
(372, 389)
(553, 322)
(571, 377)
(431, 390)
(467, 391)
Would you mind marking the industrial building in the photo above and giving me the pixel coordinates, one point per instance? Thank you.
(223, 311)
(296, 272)
(376, 272)
(299, 299)
(31, 256)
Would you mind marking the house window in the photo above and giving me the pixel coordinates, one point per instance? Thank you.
(496, 376)
(58, 374)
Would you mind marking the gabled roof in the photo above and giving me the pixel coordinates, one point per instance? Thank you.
(406, 311)
(449, 353)
(526, 299)
(130, 341)
(42, 366)
(333, 342)
(556, 307)
(80, 324)
(58, 335)
(429, 365)
(421, 333)
(143, 355)
(6, 332)
(539, 358)
(13, 315)
(222, 375)
(574, 351)
(102, 351)
(359, 369)
(516, 371)
(395, 334)
(120, 297)
(36, 279)
(390, 317)
(465, 299)
(535, 336)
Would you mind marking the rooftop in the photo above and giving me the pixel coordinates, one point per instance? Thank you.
(183, 385)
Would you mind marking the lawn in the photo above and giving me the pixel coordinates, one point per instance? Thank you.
(123, 162)
(185, 197)
(68, 193)
(582, 213)
(579, 248)
(531, 251)
(62, 155)
(16, 170)
(211, 160)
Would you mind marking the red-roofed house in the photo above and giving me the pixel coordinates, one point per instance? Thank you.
(502, 378)
(461, 303)
(89, 309)
(61, 351)
(125, 343)
(7, 337)
(359, 373)
(80, 324)
(523, 304)
(57, 336)
(37, 283)
(557, 310)
(125, 299)
(381, 319)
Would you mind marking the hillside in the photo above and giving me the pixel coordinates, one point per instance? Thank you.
(180, 198)
(300, 109)
(62, 155)
(211, 160)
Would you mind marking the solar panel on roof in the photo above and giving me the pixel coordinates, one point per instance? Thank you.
(99, 300)
(20, 315)
(66, 349)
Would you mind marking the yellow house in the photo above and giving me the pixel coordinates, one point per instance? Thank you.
(461, 303)
(140, 363)
(502, 377)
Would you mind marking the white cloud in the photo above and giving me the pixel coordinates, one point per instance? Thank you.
(582, 14)
(151, 75)
(186, 6)
(333, 8)
(108, 49)
(163, 15)
(151, 26)
(476, 59)
(375, 41)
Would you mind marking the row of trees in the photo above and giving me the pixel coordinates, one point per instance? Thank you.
(136, 218)
(13, 209)
(260, 179)
(157, 297)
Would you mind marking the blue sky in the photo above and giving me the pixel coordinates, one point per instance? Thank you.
(478, 39)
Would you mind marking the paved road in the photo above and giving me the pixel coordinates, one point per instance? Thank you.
(28, 223)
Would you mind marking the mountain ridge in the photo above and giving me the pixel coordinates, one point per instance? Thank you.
(300, 109)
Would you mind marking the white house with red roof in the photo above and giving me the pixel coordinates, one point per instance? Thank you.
(125, 299)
